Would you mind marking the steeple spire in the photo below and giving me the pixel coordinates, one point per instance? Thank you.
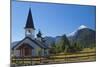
(29, 27)
(29, 23)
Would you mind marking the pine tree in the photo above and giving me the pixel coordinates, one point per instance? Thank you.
(53, 48)
(39, 34)
(75, 48)
(65, 43)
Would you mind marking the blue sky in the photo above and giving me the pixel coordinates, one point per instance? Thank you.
(52, 19)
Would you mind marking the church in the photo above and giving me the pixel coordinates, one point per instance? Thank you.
(30, 46)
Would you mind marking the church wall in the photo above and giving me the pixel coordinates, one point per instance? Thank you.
(17, 53)
(35, 51)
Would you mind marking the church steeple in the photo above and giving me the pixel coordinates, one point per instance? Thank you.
(29, 27)
(29, 23)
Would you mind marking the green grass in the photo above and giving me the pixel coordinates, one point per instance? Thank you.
(86, 54)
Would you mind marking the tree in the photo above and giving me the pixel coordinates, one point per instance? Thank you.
(39, 34)
(64, 43)
(75, 48)
(53, 48)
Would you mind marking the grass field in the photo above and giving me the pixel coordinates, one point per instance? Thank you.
(86, 55)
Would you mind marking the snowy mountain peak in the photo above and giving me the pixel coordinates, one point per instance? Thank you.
(79, 28)
(72, 33)
(82, 27)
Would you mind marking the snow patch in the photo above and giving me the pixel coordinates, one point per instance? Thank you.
(72, 33)
(82, 27)
(79, 28)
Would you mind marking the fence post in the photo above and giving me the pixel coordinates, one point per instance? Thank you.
(23, 59)
(31, 60)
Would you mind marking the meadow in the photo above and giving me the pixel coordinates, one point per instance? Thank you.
(86, 55)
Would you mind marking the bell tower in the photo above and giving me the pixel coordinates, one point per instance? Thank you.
(29, 27)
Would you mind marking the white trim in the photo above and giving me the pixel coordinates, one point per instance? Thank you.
(24, 41)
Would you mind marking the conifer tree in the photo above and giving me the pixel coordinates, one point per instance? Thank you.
(65, 43)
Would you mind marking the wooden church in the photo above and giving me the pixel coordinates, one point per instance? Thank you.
(30, 46)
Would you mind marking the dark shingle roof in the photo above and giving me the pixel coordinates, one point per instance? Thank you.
(29, 23)
(41, 45)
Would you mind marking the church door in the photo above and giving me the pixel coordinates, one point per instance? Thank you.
(25, 50)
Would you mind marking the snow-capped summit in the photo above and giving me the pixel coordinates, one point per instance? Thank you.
(79, 28)
(82, 27)
(72, 33)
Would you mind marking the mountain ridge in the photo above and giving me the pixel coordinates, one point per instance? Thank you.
(83, 35)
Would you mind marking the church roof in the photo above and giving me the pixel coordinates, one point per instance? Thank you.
(29, 23)
(40, 44)
(25, 45)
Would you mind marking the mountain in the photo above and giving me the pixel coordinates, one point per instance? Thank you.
(50, 40)
(79, 28)
(84, 36)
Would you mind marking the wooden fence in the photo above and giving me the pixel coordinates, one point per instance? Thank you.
(59, 58)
